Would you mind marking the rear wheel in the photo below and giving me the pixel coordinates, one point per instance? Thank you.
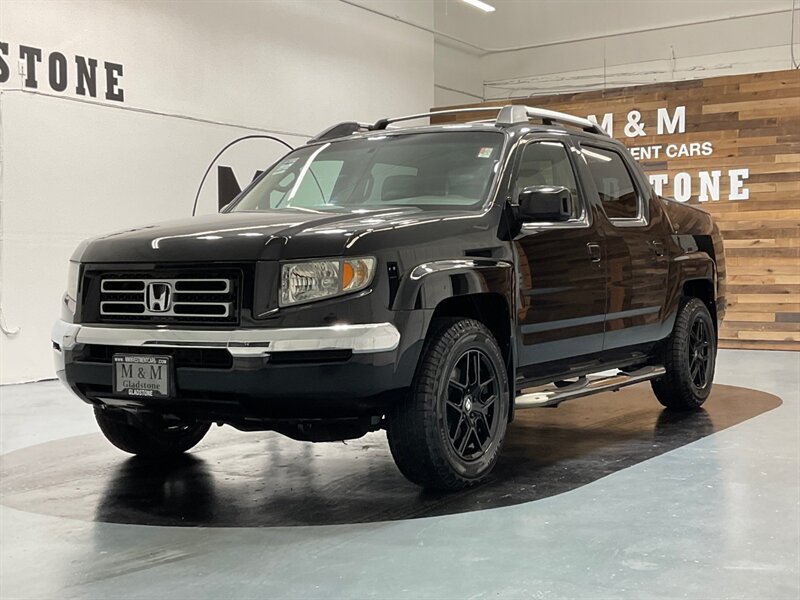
(153, 438)
(448, 432)
(689, 359)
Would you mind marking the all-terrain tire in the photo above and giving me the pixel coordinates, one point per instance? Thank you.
(686, 385)
(148, 439)
(422, 437)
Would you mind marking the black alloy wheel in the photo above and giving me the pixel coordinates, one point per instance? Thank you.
(699, 353)
(689, 358)
(471, 405)
(448, 431)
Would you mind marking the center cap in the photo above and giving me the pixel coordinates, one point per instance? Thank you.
(468, 403)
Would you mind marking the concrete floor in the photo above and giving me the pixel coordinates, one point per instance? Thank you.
(718, 517)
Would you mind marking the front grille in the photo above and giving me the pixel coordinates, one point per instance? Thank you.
(210, 298)
(168, 297)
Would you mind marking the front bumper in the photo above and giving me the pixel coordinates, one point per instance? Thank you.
(304, 372)
(359, 338)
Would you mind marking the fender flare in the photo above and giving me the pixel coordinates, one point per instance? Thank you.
(695, 266)
(427, 284)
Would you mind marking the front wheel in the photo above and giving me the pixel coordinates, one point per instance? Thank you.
(448, 432)
(154, 438)
(689, 359)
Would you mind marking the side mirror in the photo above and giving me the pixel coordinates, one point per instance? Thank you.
(545, 203)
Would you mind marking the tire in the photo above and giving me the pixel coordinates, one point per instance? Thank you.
(689, 359)
(149, 439)
(448, 432)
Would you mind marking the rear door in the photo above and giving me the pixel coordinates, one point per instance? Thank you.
(634, 234)
(561, 270)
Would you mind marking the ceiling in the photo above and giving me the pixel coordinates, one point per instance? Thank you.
(526, 22)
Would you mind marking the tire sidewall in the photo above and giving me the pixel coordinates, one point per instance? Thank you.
(473, 340)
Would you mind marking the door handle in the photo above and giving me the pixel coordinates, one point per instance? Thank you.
(594, 252)
(658, 247)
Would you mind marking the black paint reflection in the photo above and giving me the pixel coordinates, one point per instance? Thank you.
(180, 488)
(237, 479)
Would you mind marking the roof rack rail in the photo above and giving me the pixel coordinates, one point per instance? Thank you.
(517, 113)
(342, 129)
(384, 123)
(511, 114)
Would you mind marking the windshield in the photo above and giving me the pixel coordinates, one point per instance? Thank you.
(426, 170)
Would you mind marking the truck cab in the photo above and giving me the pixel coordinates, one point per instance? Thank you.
(428, 281)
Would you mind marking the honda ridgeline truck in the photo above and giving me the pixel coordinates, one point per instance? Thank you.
(429, 281)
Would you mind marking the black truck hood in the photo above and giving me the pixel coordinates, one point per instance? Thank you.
(249, 236)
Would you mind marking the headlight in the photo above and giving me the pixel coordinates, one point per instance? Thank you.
(72, 280)
(317, 279)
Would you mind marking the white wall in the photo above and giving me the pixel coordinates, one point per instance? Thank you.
(459, 78)
(583, 44)
(73, 169)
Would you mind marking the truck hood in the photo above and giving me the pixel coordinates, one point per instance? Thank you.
(250, 236)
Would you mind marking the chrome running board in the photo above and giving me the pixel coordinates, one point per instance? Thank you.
(550, 395)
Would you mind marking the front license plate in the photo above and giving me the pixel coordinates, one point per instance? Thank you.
(142, 376)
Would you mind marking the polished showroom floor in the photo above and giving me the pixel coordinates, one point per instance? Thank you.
(604, 497)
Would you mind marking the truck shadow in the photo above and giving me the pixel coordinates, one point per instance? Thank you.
(236, 479)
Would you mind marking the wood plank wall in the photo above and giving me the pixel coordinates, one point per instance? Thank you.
(751, 122)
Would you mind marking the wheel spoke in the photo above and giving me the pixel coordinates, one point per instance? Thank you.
(481, 442)
(464, 441)
(459, 378)
(701, 373)
(474, 360)
(693, 368)
(457, 384)
(452, 404)
(486, 424)
(484, 406)
(458, 425)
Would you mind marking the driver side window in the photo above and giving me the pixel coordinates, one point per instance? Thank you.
(547, 163)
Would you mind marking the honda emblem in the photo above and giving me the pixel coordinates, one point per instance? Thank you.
(159, 296)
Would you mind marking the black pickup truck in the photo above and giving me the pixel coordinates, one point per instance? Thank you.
(425, 280)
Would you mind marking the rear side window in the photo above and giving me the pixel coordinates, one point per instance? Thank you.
(613, 182)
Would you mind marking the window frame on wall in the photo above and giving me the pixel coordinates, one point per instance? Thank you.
(584, 218)
(642, 218)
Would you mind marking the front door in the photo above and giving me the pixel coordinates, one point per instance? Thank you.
(561, 270)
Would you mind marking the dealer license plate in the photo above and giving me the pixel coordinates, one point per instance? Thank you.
(142, 375)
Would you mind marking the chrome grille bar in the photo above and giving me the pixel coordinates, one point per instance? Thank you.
(118, 285)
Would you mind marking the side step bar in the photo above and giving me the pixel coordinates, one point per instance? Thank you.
(550, 395)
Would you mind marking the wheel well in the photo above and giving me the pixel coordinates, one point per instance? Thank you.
(702, 289)
(489, 308)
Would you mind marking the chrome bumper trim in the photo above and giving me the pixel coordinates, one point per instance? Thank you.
(359, 338)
